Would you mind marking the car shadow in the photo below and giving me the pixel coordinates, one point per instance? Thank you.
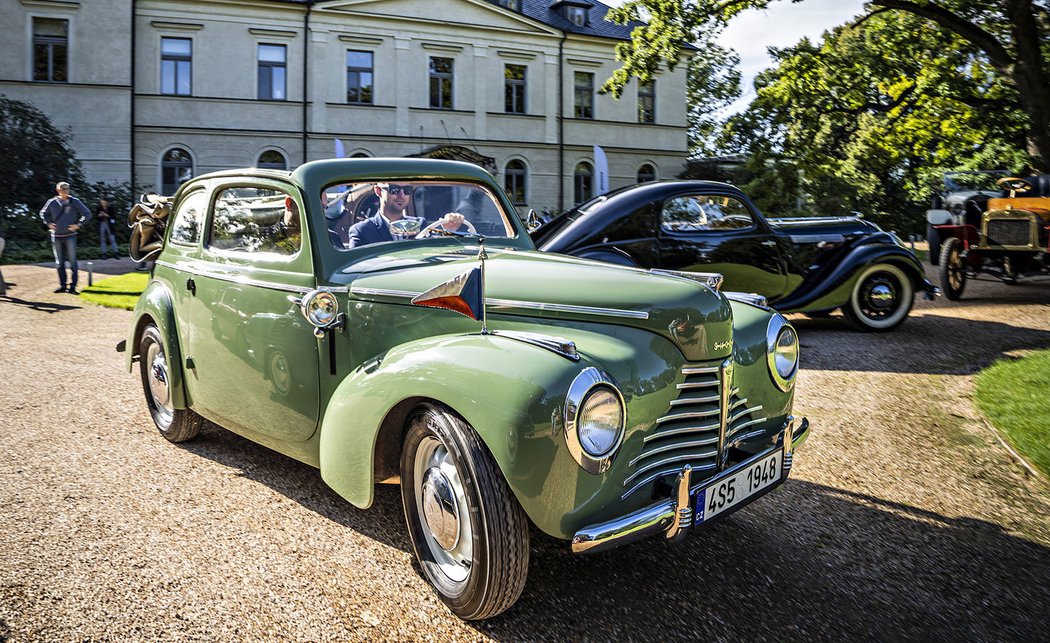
(810, 561)
(931, 343)
(42, 306)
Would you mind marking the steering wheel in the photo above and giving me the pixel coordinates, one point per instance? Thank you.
(426, 232)
(1014, 184)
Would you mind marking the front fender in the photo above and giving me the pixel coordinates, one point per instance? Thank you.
(155, 306)
(830, 286)
(507, 390)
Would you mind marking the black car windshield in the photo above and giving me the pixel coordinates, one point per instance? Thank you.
(359, 214)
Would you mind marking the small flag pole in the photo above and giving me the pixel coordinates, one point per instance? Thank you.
(482, 256)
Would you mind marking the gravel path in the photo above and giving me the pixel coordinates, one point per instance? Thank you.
(904, 517)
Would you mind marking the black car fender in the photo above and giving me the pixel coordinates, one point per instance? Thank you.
(829, 286)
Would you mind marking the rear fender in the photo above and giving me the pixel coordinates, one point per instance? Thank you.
(831, 287)
(507, 390)
(155, 306)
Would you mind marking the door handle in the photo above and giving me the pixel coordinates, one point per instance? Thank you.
(770, 243)
(191, 286)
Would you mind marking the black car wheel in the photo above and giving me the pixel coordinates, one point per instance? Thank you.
(469, 533)
(881, 298)
(953, 269)
(933, 238)
(177, 425)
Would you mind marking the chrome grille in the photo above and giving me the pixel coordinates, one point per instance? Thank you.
(1009, 232)
(700, 425)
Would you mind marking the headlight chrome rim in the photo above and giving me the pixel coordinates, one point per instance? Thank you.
(320, 307)
(776, 329)
(580, 391)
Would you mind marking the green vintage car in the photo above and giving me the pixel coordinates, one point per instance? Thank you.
(602, 404)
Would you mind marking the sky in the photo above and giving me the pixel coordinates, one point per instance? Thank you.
(784, 23)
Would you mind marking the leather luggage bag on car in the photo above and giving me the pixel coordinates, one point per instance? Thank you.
(147, 221)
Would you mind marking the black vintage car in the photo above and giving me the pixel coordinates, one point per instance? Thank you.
(810, 265)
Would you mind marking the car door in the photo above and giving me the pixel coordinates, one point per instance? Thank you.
(254, 358)
(720, 232)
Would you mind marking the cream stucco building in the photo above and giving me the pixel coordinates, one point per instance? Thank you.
(168, 89)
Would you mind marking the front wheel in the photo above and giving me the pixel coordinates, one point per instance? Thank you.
(177, 425)
(881, 298)
(468, 532)
(953, 269)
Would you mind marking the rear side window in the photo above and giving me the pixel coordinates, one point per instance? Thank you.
(705, 212)
(189, 218)
(256, 220)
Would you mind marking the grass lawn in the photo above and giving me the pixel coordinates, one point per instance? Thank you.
(1015, 396)
(121, 291)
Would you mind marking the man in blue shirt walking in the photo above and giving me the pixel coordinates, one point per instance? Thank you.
(63, 215)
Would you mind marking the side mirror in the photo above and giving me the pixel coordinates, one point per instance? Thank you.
(532, 220)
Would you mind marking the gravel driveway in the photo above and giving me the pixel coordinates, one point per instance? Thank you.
(904, 517)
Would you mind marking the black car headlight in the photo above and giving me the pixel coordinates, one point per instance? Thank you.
(782, 352)
(595, 418)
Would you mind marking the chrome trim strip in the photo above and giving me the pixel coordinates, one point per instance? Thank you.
(686, 385)
(245, 281)
(688, 416)
(660, 474)
(744, 425)
(680, 431)
(672, 447)
(698, 370)
(557, 345)
(736, 404)
(685, 457)
(695, 400)
(747, 436)
(749, 298)
(514, 303)
(739, 414)
(726, 378)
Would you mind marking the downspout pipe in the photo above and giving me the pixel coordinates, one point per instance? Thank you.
(131, 105)
(306, 71)
(561, 121)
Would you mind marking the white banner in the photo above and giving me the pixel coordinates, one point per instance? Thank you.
(601, 171)
(339, 151)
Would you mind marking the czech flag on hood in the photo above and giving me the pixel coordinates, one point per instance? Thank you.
(462, 294)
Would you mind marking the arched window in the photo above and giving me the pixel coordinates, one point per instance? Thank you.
(646, 173)
(272, 160)
(514, 178)
(583, 182)
(175, 169)
(360, 155)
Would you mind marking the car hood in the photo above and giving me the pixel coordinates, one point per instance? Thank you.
(561, 289)
(801, 228)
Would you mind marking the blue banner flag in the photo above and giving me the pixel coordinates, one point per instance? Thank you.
(462, 294)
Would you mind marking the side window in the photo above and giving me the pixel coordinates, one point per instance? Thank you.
(256, 220)
(189, 218)
(705, 212)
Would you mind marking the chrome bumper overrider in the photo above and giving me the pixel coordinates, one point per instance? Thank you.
(673, 517)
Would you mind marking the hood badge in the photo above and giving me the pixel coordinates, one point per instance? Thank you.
(721, 346)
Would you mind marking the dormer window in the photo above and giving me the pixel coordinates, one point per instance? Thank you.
(513, 5)
(575, 11)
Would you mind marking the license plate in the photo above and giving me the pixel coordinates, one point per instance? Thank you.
(721, 496)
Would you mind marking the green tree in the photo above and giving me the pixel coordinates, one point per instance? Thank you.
(712, 84)
(1008, 37)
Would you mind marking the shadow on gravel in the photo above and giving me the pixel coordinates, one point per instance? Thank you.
(384, 521)
(810, 561)
(42, 306)
(933, 343)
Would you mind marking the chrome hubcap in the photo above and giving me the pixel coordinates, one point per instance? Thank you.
(878, 296)
(440, 509)
(881, 296)
(157, 381)
(439, 494)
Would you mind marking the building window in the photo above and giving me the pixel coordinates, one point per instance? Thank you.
(646, 173)
(273, 70)
(359, 77)
(583, 182)
(272, 160)
(514, 177)
(576, 15)
(583, 91)
(514, 88)
(647, 101)
(175, 169)
(176, 60)
(360, 155)
(51, 50)
(441, 83)
(513, 5)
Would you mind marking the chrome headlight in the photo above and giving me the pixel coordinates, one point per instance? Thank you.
(595, 417)
(782, 352)
(320, 307)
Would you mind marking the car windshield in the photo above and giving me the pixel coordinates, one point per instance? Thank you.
(359, 214)
(976, 180)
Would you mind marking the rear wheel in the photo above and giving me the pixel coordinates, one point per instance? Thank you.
(177, 425)
(953, 269)
(881, 298)
(468, 532)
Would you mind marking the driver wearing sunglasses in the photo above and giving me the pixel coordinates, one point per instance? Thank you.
(391, 223)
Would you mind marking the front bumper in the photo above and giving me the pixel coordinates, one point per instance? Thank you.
(674, 517)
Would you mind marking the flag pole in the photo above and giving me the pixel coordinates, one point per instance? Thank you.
(482, 256)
